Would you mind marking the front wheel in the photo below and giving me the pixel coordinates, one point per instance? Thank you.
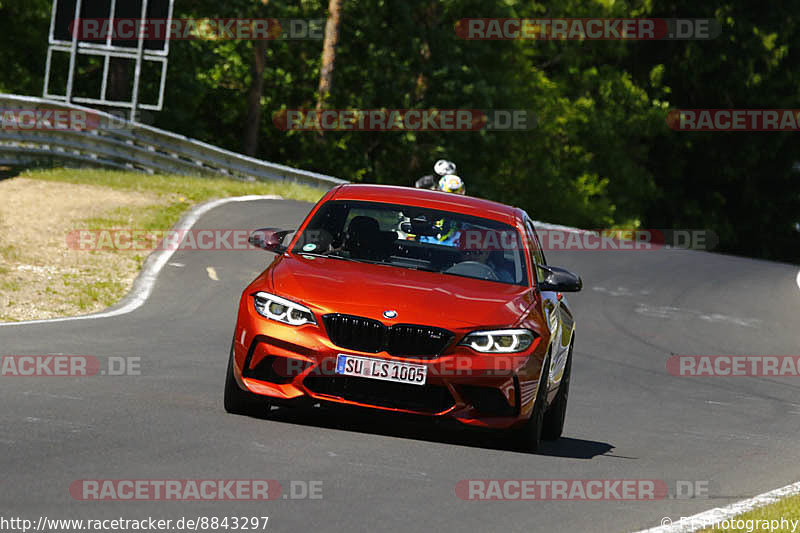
(529, 436)
(242, 402)
(557, 414)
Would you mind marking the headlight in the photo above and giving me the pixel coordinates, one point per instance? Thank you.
(283, 310)
(500, 341)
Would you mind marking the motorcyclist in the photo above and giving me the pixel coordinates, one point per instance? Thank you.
(442, 168)
(451, 183)
(445, 180)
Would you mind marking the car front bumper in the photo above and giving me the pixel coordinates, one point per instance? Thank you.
(292, 364)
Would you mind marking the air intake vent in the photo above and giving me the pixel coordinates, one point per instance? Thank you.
(401, 340)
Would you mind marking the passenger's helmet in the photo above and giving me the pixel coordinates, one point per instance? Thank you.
(444, 167)
(452, 183)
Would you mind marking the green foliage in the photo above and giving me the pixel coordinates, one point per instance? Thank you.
(601, 154)
(24, 27)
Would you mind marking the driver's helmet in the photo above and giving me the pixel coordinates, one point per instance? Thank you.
(451, 183)
(444, 167)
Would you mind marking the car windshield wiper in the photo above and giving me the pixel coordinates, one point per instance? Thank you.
(369, 261)
(420, 268)
(336, 256)
(330, 256)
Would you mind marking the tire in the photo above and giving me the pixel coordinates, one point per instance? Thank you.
(557, 414)
(242, 402)
(529, 436)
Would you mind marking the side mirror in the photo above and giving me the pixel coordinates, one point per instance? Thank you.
(269, 239)
(560, 280)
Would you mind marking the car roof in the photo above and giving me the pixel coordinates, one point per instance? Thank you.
(444, 201)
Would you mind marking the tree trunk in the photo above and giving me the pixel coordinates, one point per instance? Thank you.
(332, 28)
(120, 80)
(427, 19)
(253, 121)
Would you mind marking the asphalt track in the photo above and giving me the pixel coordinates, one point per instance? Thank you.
(627, 418)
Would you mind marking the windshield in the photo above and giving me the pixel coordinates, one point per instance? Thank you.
(416, 238)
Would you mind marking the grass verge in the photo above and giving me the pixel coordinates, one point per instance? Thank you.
(40, 277)
(787, 509)
(182, 192)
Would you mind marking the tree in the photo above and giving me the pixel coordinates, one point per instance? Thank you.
(253, 120)
(256, 90)
(332, 29)
(601, 154)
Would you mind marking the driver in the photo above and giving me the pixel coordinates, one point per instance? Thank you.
(448, 233)
(495, 260)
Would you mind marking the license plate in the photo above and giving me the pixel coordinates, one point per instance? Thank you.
(382, 369)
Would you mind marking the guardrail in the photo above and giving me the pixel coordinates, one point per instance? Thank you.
(117, 143)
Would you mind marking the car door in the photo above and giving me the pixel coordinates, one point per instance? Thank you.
(554, 312)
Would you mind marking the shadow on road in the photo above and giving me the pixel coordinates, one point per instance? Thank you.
(421, 428)
(575, 448)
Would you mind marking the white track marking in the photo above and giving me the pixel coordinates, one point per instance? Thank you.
(143, 286)
(798, 279)
(678, 313)
(716, 515)
(212, 273)
(48, 395)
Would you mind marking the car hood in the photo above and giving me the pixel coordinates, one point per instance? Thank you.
(429, 298)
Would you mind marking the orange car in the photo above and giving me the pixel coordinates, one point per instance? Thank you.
(412, 301)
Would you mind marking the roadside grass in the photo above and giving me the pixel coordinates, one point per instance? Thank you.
(180, 193)
(99, 279)
(10, 285)
(787, 508)
(193, 189)
(8, 253)
(152, 218)
(104, 292)
(7, 283)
